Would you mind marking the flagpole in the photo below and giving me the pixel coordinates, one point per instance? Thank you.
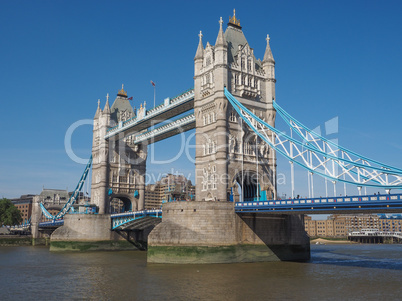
(154, 95)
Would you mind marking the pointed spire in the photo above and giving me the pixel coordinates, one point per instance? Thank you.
(220, 40)
(98, 110)
(200, 50)
(107, 107)
(268, 57)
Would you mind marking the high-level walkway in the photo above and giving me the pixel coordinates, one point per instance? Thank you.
(171, 108)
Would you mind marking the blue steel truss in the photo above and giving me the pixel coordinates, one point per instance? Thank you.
(120, 219)
(73, 197)
(319, 155)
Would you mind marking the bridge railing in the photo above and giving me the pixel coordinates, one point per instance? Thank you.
(339, 203)
(119, 219)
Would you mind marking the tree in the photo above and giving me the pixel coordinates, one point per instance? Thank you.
(9, 214)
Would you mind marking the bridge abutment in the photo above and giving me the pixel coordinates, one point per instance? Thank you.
(211, 232)
(86, 232)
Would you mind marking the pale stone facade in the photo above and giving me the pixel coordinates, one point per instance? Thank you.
(118, 166)
(226, 150)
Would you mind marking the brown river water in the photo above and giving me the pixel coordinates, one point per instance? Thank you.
(335, 272)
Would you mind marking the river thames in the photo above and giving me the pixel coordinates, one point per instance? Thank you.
(335, 272)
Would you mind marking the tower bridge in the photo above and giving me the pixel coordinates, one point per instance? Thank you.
(236, 215)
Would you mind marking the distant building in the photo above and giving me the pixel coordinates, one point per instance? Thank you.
(24, 205)
(340, 225)
(52, 199)
(390, 222)
(170, 187)
(334, 226)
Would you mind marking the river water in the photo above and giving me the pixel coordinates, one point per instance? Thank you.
(335, 272)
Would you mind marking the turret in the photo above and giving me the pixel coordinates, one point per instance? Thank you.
(199, 56)
(106, 109)
(268, 63)
(98, 110)
(220, 55)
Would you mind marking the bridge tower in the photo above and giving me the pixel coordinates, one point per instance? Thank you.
(227, 151)
(228, 155)
(118, 168)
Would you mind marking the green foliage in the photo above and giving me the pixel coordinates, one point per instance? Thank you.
(9, 214)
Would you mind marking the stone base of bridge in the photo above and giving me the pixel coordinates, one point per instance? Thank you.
(85, 232)
(211, 232)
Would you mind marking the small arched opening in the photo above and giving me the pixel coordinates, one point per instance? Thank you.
(119, 204)
(246, 187)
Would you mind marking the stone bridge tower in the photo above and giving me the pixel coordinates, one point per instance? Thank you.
(118, 168)
(227, 152)
(209, 230)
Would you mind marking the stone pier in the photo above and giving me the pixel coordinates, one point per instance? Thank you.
(211, 232)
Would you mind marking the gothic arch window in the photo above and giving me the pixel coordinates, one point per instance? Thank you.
(243, 79)
(249, 81)
(213, 117)
(249, 64)
(243, 61)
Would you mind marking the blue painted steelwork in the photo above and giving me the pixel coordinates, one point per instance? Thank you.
(73, 197)
(358, 171)
(170, 105)
(183, 123)
(120, 219)
(312, 137)
(52, 224)
(383, 202)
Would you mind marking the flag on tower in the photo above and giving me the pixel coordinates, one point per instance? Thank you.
(130, 98)
(152, 83)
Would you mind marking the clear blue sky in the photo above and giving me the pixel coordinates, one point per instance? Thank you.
(57, 58)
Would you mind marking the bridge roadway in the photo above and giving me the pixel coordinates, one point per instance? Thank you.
(345, 205)
(164, 112)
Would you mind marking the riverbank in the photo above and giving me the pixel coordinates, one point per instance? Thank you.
(330, 241)
(22, 240)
